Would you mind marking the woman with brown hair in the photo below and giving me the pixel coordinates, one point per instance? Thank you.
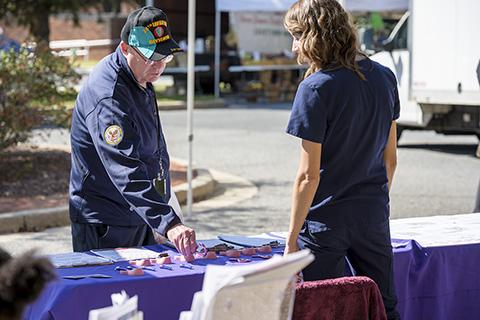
(22, 280)
(344, 112)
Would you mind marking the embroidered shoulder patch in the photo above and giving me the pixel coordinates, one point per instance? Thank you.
(113, 135)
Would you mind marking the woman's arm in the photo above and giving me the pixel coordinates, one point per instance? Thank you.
(390, 153)
(304, 188)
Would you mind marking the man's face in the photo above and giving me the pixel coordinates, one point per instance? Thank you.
(144, 70)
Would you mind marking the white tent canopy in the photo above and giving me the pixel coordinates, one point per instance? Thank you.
(253, 5)
(375, 5)
(283, 5)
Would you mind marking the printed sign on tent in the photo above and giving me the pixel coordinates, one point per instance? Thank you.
(261, 32)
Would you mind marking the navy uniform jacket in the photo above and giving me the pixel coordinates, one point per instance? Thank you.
(117, 145)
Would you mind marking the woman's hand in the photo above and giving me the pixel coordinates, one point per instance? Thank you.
(291, 247)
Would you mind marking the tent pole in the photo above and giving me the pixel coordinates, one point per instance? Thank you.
(217, 49)
(190, 98)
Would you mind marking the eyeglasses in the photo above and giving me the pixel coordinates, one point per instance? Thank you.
(165, 59)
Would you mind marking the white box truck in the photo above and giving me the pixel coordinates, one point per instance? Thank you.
(434, 51)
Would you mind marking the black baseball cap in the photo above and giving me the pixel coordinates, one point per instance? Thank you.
(148, 30)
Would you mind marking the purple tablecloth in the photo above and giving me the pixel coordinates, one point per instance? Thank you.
(162, 294)
(439, 283)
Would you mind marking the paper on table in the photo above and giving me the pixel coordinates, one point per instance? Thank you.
(126, 309)
(124, 254)
(77, 259)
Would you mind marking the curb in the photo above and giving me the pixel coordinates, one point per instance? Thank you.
(182, 105)
(40, 219)
(202, 186)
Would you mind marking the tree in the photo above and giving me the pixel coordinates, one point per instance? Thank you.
(34, 14)
(36, 88)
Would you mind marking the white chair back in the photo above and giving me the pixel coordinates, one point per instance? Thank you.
(262, 291)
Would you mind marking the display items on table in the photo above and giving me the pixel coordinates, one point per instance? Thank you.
(452, 258)
(153, 264)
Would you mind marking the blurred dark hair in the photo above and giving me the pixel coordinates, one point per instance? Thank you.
(22, 279)
(328, 39)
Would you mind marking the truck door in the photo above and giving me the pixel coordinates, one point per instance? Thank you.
(396, 57)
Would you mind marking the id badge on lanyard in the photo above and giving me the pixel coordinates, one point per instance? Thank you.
(160, 182)
(160, 185)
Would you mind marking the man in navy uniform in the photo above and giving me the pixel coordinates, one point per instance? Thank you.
(120, 183)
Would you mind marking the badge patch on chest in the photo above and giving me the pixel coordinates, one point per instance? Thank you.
(113, 135)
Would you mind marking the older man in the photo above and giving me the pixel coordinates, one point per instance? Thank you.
(120, 183)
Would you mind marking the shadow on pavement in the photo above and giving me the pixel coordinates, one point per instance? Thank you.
(460, 149)
(267, 106)
(235, 219)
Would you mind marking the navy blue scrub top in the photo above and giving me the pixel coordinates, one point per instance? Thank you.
(117, 147)
(351, 118)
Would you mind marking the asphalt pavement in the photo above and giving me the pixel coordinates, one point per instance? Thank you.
(255, 163)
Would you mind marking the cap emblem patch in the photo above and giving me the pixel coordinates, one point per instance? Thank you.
(158, 32)
(113, 135)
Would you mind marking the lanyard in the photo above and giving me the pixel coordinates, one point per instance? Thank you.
(160, 183)
(151, 95)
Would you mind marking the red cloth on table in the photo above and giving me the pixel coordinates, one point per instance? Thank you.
(352, 298)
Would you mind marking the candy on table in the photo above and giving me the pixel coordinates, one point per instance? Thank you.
(180, 258)
(211, 255)
(201, 249)
(233, 253)
(162, 260)
(249, 251)
(204, 253)
(133, 272)
(264, 249)
(140, 262)
(198, 255)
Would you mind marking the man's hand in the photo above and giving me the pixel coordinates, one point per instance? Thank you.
(184, 240)
(159, 238)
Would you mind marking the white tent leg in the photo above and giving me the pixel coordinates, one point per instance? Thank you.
(218, 26)
(190, 98)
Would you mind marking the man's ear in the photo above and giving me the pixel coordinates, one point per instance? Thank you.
(124, 47)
